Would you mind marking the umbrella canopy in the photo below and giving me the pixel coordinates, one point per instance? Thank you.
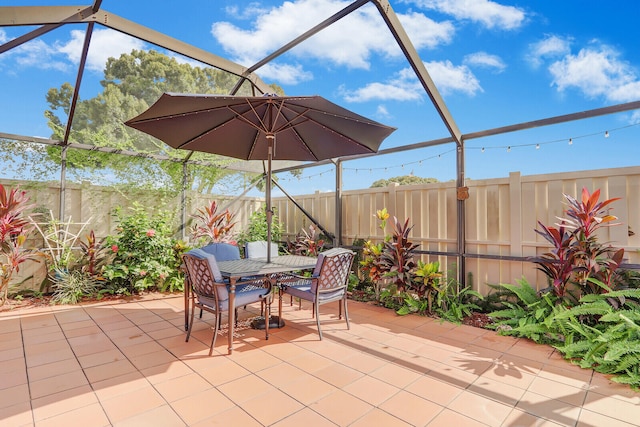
(270, 127)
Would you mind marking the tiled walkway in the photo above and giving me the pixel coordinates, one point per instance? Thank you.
(126, 364)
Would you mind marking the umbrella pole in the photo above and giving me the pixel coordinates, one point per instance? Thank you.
(271, 140)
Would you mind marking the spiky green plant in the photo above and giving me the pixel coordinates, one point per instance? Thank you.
(69, 287)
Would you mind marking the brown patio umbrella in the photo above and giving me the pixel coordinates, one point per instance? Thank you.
(270, 127)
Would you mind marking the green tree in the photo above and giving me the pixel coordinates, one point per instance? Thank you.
(403, 180)
(131, 84)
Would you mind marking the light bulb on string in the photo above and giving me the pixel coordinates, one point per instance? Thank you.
(482, 149)
(570, 141)
(606, 134)
(537, 146)
(508, 149)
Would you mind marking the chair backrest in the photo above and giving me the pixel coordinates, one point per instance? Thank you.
(258, 249)
(222, 251)
(332, 270)
(204, 273)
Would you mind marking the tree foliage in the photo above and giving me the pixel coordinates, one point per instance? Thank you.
(131, 84)
(403, 180)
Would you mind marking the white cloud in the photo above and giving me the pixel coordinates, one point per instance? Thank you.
(450, 78)
(62, 54)
(405, 86)
(382, 111)
(3, 36)
(425, 32)
(104, 44)
(597, 71)
(551, 47)
(485, 60)
(635, 118)
(246, 11)
(349, 42)
(286, 73)
(37, 54)
(488, 13)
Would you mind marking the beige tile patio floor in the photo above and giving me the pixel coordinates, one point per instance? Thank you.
(127, 364)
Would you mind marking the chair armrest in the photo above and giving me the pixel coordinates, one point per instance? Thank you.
(263, 282)
(286, 280)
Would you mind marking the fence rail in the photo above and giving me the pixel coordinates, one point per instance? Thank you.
(501, 216)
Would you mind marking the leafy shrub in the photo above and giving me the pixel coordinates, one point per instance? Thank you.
(145, 256)
(612, 345)
(257, 228)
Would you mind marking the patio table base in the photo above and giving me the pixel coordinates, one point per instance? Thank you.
(274, 322)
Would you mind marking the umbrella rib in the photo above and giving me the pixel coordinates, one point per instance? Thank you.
(190, 140)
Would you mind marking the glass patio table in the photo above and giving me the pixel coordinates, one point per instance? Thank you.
(235, 270)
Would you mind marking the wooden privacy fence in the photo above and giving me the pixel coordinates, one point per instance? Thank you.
(501, 216)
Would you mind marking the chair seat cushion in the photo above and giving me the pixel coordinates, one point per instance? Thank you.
(245, 294)
(304, 292)
(222, 251)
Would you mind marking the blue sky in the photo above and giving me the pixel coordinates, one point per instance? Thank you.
(496, 63)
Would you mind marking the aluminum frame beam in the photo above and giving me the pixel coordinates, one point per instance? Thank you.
(57, 15)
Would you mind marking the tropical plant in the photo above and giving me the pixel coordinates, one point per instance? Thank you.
(610, 346)
(397, 259)
(94, 255)
(529, 315)
(257, 228)
(426, 282)
(370, 265)
(70, 286)
(306, 243)
(390, 265)
(455, 302)
(14, 230)
(145, 256)
(211, 226)
(577, 256)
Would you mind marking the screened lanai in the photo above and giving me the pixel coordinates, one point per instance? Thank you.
(507, 105)
(435, 140)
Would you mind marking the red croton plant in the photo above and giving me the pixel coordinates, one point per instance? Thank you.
(577, 257)
(14, 230)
